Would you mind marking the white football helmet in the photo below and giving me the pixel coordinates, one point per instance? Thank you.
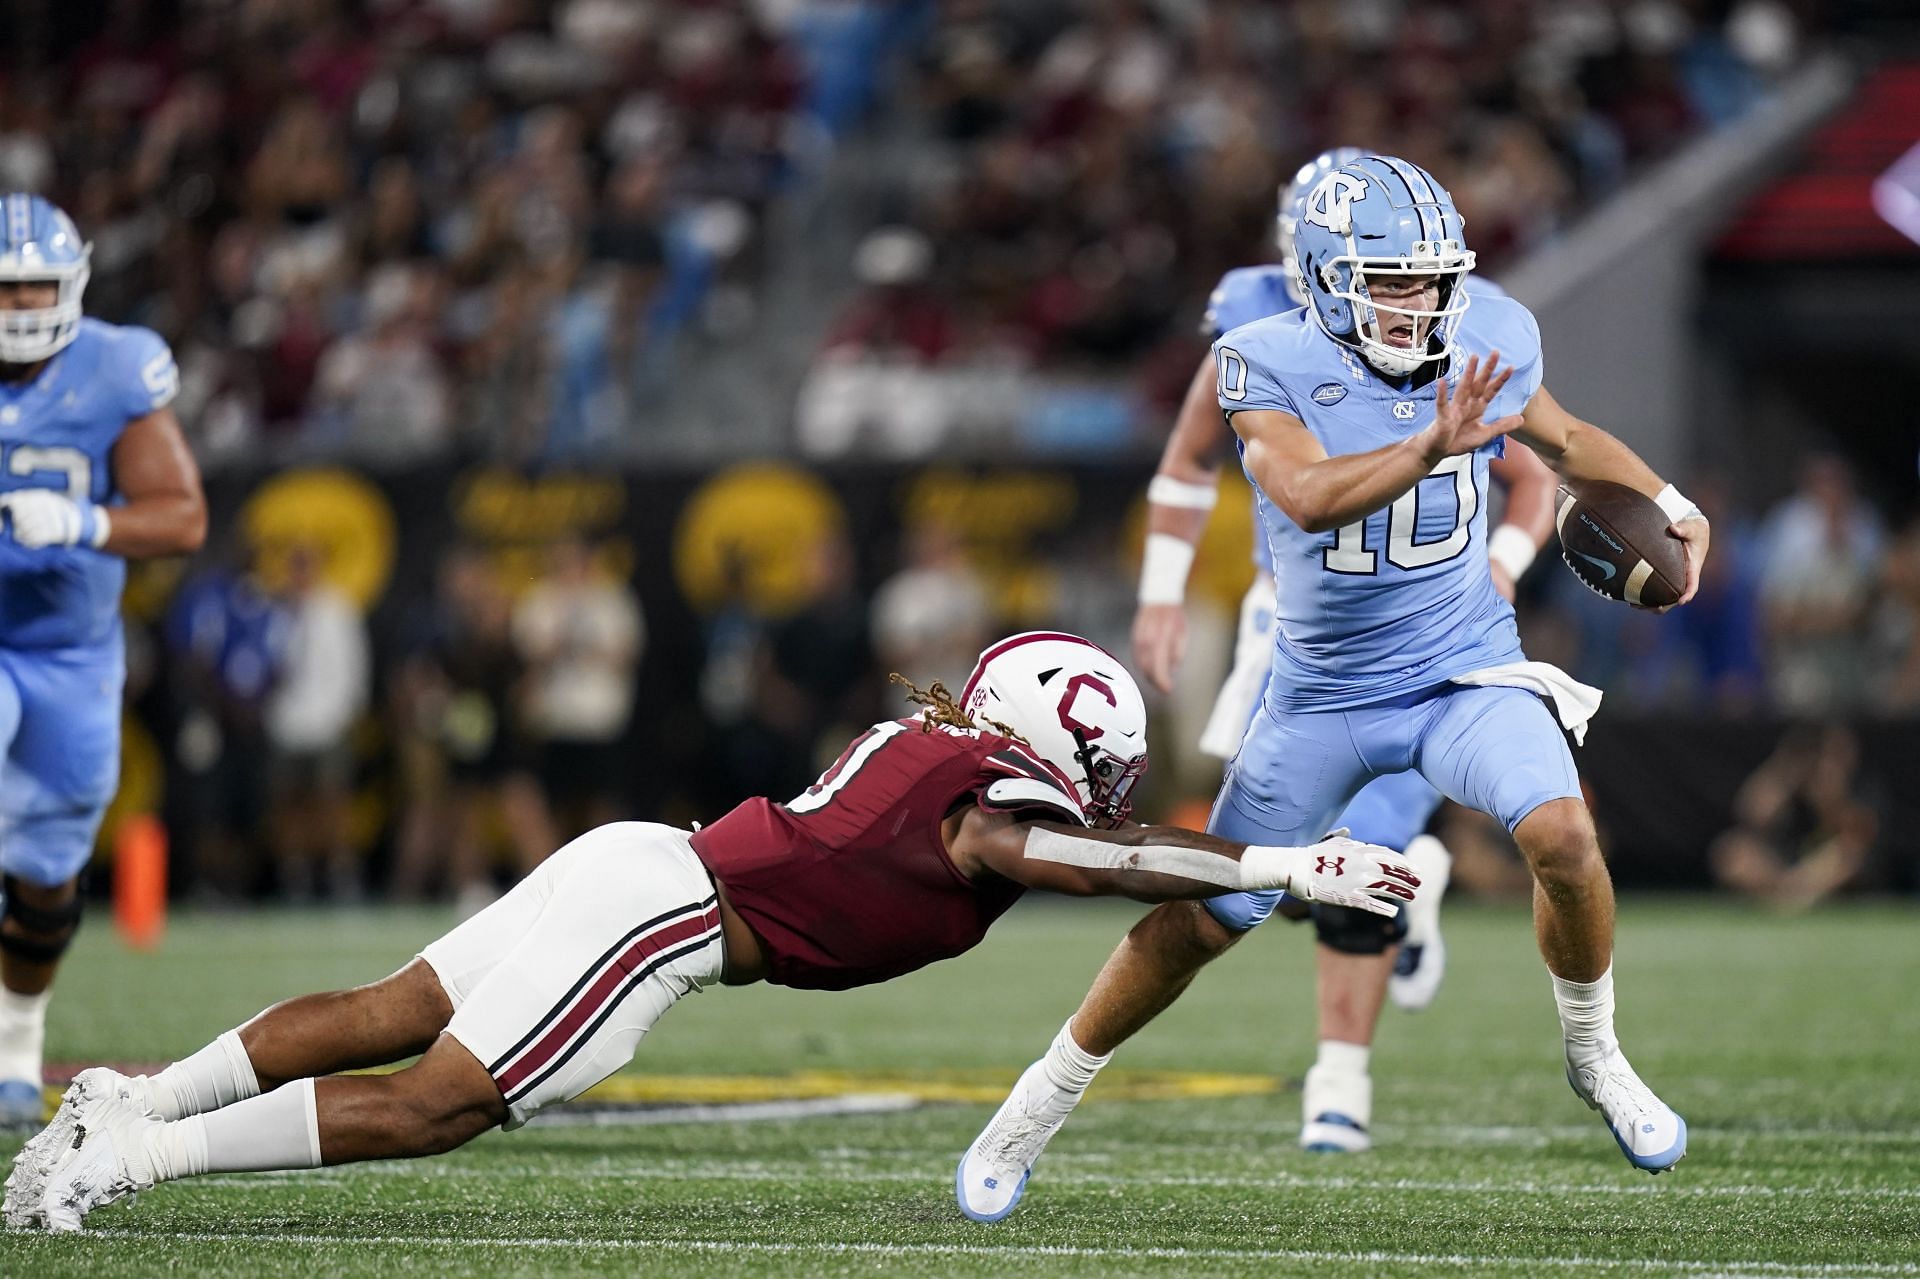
(1075, 704)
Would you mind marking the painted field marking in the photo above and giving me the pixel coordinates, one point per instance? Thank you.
(1789, 1270)
(1061, 1175)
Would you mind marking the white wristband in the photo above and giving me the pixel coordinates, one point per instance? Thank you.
(1264, 868)
(1675, 506)
(1165, 490)
(102, 527)
(1164, 568)
(1512, 548)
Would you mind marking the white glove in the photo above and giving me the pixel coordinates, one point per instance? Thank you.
(42, 517)
(1337, 870)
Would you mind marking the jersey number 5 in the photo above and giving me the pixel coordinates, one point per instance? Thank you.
(1350, 553)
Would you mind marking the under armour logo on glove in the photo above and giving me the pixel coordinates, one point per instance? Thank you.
(1389, 881)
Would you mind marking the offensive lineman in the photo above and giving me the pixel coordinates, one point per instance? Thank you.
(1360, 956)
(1393, 652)
(93, 471)
(921, 834)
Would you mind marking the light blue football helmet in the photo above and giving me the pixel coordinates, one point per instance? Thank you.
(1380, 216)
(1293, 202)
(41, 244)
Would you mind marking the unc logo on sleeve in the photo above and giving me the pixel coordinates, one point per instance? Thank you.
(1329, 393)
(1331, 204)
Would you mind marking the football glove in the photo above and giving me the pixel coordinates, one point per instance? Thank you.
(42, 517)
(1339, 872)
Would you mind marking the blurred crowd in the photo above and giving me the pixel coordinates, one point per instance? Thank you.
(388, 229)
(493, 720)
(1087, 169)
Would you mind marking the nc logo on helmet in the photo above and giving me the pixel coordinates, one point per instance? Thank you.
(1331, 204)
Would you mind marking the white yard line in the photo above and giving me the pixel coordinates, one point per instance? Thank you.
(1060, 1174)
(1776, 1269)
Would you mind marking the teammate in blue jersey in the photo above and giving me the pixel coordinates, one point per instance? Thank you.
(93, 470)
(1360, 957)
(1367, 424)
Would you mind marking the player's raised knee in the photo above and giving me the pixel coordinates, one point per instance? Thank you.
(1559, 843)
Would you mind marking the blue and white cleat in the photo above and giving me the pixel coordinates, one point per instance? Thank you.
(21, 1104)
(993, 1173)
(1335, 1110)
(1422, 961)
(1647, 1130)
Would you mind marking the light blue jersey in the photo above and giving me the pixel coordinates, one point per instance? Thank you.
(1246, 294)
(57, 431)
(62, 660)
(1250, 293)
(1403, 600)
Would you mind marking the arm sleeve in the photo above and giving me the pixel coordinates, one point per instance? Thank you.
(147, 377)
(1246, 379)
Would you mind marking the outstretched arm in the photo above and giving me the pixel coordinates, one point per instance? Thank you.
(1578, 450)
(1179, 501)
(1166, 863)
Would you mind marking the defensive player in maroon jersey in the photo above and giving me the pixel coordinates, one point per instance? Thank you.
(924, 831)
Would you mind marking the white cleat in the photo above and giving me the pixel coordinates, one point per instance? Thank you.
(1422, 960)
(1336, 1109)
(1649, 1133)
(993, 1173)
(28, 1181)
(106, 1163)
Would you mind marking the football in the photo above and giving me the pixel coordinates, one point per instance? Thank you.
(1615, 540)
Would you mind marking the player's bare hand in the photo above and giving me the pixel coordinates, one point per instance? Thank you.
(1502, 582)
(1160, 642)
(1459, 424)
(1345, 872)
(1695, 533)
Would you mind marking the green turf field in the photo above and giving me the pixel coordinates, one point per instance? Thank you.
(1792, 1046)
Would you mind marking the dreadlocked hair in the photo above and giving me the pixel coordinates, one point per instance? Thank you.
(942, 709)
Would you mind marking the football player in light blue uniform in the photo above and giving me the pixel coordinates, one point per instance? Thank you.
(1367, 423)
(93, 469)
(1361, 957)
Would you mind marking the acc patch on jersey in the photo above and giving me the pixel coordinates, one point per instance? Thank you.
(1329, 393)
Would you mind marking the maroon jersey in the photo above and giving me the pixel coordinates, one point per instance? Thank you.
(850, 883)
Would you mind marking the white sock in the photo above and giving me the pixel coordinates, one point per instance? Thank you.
(1586, 1016)
(218, 1075)
(1343, 1058)
(23, 1034)
(1069, 1068)
(279, 1130)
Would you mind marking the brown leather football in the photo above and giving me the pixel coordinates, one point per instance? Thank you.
(1615, 540)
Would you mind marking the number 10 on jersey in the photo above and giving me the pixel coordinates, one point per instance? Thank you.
(1351, 554)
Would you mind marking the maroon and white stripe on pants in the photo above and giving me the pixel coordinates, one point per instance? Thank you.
(554, 985)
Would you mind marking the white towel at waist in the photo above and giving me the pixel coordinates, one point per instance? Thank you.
(1573, 702)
